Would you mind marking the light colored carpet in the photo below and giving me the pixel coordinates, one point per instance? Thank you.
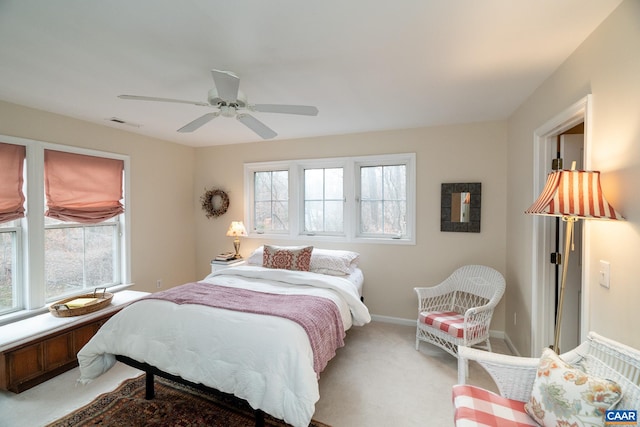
(377, 379)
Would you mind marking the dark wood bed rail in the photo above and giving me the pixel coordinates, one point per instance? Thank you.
(151, 371)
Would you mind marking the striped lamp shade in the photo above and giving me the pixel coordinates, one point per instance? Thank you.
(573, 193)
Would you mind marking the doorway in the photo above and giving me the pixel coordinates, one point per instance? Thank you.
(566, 135)
(570, 146)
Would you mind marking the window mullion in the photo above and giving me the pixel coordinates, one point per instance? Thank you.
(33, 243)
(351, 210)
(296, 200)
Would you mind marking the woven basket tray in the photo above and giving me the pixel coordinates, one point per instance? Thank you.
(60, 309)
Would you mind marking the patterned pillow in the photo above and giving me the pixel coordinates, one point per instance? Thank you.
(565, 395)
(290, 258)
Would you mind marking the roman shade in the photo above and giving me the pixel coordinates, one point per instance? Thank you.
(81, 188)
(11, 180)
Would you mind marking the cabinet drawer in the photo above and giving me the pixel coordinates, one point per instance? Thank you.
(25, 364)
(82, 335)
(58, 351)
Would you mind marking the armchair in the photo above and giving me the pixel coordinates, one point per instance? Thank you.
(458, 311)
(598, 358)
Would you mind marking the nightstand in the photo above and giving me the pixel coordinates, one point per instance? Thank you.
(218, 265)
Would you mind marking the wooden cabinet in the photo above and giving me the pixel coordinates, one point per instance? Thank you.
(40, 359)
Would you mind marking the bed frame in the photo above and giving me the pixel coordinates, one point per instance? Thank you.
(150, 372)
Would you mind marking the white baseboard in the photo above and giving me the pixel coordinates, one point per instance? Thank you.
(512, 348)
(394, 320)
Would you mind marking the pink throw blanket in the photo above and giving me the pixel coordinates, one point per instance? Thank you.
(319, 316)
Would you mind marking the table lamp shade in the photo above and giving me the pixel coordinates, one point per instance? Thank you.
(236, 229)
(573, 193)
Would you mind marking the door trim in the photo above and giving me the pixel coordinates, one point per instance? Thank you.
(541, 271)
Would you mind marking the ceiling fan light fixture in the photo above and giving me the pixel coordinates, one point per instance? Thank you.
(216, 101)
(227, 111)
(213, 98)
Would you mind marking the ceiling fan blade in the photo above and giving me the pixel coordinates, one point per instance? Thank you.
(152, 98)
(227, 84)
(257, 126)
(197, 123)
(304, 110)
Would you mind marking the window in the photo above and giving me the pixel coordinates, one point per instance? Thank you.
(271, 201)
(10, 295)
(12, 199)
(66, 244)
(323, 201)
(79, 257)
(369, 199)
(383, 200)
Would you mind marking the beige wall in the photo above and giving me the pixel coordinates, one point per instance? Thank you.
(172, 239)
(460, 153)
(162, 210)
(606, 65)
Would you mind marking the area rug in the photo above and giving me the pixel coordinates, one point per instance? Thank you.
(174, 404)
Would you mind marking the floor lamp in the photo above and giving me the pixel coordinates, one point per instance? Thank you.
(571, 195)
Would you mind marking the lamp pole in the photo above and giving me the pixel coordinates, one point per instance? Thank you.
(569, 220)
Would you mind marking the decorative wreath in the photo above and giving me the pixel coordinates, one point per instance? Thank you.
(214, 202)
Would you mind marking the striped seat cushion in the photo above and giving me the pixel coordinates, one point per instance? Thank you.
(447, 321)
(477, 407)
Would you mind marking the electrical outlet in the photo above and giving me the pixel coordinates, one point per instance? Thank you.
(159, 283)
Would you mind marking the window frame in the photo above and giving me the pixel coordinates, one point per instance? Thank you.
(351, 192)
(18, 292)
(385, 162)
(300, 167)
(31, 229)
(114, 226)
(249, 171)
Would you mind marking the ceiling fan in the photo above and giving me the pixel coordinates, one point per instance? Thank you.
(231, 102)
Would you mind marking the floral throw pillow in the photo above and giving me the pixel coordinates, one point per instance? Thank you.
(567, 396)
(287, 258)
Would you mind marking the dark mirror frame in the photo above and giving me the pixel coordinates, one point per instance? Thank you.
(473, 226)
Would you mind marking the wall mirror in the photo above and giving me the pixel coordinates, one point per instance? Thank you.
(460, 207)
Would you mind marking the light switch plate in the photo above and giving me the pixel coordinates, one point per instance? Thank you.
(605, 274)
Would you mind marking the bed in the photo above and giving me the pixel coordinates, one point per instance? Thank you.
(270, 361)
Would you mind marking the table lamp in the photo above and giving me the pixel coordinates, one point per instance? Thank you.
(236, 229)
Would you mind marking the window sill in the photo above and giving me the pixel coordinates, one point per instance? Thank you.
(333, 239)
(19, 331)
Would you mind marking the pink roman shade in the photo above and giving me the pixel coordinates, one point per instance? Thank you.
(82, 188)
(573, 193)
(11, 180)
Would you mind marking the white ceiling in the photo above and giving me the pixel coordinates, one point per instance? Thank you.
(368, 65)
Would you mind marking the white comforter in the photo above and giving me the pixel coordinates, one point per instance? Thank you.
(265, 360)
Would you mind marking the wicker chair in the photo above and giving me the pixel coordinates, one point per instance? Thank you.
(458, 311)
(515, 377)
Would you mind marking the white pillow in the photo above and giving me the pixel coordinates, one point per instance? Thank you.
(334, 262)
(324, 261)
